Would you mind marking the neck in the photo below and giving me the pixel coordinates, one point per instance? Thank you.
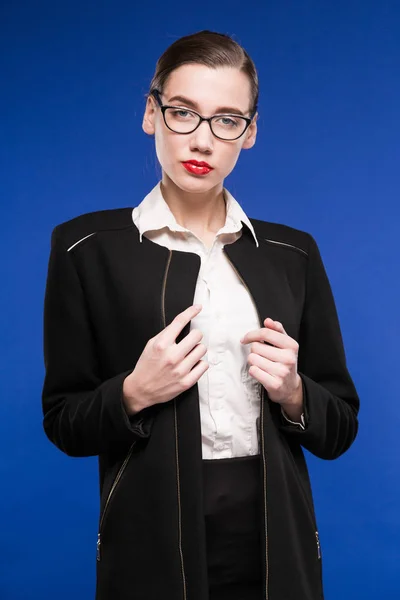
(202, 213)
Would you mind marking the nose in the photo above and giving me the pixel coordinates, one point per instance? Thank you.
(202, 139)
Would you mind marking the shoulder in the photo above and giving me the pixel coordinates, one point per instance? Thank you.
(283, 236)
(73, 231)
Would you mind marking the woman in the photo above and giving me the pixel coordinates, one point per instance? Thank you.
(196, 351)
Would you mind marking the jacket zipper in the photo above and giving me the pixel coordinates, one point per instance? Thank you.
(262, 434)
(178, 483)
(263, 452)
(164, 287)
(111, 492)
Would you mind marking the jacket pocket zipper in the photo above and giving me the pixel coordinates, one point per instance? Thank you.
(309, 509)
(110, 494)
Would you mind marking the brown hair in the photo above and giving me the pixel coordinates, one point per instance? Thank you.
(210, 49)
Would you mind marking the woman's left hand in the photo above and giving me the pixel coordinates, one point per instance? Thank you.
(275, 365)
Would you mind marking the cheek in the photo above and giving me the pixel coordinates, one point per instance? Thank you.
(230, 158)
(167, 148)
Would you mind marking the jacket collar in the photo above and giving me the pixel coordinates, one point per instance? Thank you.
(153, 213)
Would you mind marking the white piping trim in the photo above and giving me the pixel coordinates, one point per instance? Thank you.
(301, 423)
(287, 245)
(79, 241)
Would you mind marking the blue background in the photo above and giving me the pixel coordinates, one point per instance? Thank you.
(74, 75)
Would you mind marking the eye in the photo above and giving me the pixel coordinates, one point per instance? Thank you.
(227, 122)
(183, 114)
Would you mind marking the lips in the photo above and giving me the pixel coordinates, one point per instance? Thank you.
(198, 163)
(197, 167)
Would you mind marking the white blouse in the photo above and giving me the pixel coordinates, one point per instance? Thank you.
(229, 397)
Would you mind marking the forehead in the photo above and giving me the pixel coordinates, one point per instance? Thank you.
(210, 88)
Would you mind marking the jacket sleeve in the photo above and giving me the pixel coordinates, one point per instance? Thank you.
(331, 402)
(83, 415)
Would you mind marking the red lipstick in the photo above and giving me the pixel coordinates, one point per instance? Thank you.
(197, 167)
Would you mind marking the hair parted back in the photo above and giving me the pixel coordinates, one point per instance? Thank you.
(207, 48)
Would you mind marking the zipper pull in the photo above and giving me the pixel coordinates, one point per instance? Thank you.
(318, 544)
(98, 546)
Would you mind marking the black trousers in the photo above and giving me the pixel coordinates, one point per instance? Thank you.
(232, 518)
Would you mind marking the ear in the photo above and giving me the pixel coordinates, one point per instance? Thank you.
(149, 116)
(251, 134)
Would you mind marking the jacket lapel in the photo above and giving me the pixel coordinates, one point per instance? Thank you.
(180, 287)
(263, 277)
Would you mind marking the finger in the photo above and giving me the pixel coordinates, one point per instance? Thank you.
(275, 369)
(195, 374)
(267, 380)
(171, 332)
(187, 364)
(186, 345)
(270, 336)
(277, 325)
(270, 352)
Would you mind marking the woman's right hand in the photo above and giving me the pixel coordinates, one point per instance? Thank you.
(165, 369)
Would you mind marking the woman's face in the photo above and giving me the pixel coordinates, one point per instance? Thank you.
(207, 91)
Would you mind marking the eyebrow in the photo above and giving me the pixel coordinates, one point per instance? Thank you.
(195, 106)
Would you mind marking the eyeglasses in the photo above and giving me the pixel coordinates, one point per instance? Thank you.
(182, 120)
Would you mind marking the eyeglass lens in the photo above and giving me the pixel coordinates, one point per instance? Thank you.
(184, 121)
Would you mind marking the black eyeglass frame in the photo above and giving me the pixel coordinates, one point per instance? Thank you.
(164, 107)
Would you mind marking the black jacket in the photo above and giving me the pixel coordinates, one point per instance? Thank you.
(107, 294)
